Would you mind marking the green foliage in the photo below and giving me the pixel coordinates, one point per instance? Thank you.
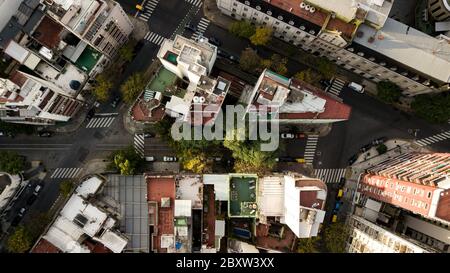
(308, 245)
(433, 108)
(335, 237)
(102, 88)
(37, 225)
(126, 161)
(325, 67)
(11, 162)
(381, 149)
(248, 155)
(243, 29)
(308, 75)
(249, 61)
(262, 36)
(65, 188)
(133, 86)
(19, 241)
(279, 64)
(388, 92)
(126, 52)
(17, 128)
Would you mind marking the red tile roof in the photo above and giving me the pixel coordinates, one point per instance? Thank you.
(45, 246)
(333, 108)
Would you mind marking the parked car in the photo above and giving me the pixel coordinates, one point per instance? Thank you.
(22, 212)
(215, 41)
(37, 189)
(334, 218)
(287, 136)
(115, 102)
(149, 135)
(379, 141)
(149, 158)
(285, 159)
(356, 87)
(44, 134)
(300, 160)
(90, 114)
(337, 206)
(140, 8)
(342, 182)
(300, 135)
(31, 199)
(352, 160)
(191, 27)
(170, 159)
(223, 54)
(365, 148)
(325, 83)
(339, 194)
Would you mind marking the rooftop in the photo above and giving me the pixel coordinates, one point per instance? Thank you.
(243, 196)
(190, 188)
(48, 33)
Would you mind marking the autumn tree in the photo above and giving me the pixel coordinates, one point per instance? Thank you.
(335, 237)
(133, 86)
(279, 64)
(262, 36)
(65, 188)
(249, 61)
(243, 29)
(11, 162)
(102, 87)
(19, 241)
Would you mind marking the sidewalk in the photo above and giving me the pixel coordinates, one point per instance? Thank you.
(213, 13)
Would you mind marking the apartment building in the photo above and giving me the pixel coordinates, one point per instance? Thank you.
(103, 24)
(416, 182)
(192, 62)
(291, 101)
(357, 35)
(84, 225)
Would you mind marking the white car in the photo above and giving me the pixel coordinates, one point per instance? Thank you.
(287, 136)
(169, 159)
(356, 87)
(37, 189)
(149, 158)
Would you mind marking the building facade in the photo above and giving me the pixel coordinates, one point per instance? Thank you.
(359, 38)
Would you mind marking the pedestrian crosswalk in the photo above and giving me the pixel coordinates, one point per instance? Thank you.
(433, 139)
(154, 38)
(201, 28)
(336, 87)
(100, 122)
(66, 173)
(139, 144)
(149, 7)
(329, 175)
(310, 150)
(196, 3)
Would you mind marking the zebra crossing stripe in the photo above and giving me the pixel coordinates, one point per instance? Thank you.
(66, 173)
(311, 145)
(330, 175)
(433, 139)
(139, 144)
(196, 3)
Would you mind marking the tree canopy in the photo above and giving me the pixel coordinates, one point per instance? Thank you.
(335, 237)
(126, 161)
(133, 86)
(102, 88)
(243, 29)
(325, 67)
(279, 64)
(11, 162)
(262, 36)
(65, 188)
(388, 91)
(20, 241)
(433, 108)
(249, 61)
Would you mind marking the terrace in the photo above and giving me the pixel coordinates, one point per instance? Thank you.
(243, 196)
(275, 236)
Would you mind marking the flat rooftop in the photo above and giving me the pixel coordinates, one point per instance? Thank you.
(190, 188)
(243, 196)
(48, 33)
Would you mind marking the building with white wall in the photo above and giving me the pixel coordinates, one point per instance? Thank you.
(357, 35)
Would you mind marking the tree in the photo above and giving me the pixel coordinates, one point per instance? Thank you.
(279, 64)
(308, 76)
(196, 163)
(308, 245)
(335, 237)
(262, 36)
(126, 52)
(433, 108)
(19, 241)
(243, 29)
(249, 61)
(37, 225)
(11, 162)
(65, 188)
(102, 88)
(131, 89)
(266, 63)
(325, 67)
(381, 149)
(388, 91)
(126, 161)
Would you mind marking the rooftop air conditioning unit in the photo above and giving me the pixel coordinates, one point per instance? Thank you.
(202, 99)
(196, 99)
(308, 7)
(302, 5)
(312, 10)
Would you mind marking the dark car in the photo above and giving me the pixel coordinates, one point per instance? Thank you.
(190, 27)
(365, 148)
(379, 140)
(16, 221)
(149, 135)
(285, 159)
(44, 134)
(115, 102)
(215, 41)
(352, 160)
(325, 83)
(337, 206)
(90, 114)
(31, 199)
(223, 54)
(342, 182)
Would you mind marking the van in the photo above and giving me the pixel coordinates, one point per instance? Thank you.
(356, 87)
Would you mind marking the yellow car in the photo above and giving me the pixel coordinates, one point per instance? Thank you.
(334, 218)
(340, 193)
(300, 160)
(139, 7)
